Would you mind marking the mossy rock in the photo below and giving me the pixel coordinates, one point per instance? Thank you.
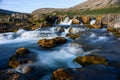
(110, 29)
(116, 31)
(75, 21)
(60, 74)
(13, 62)
(87, 60)
(22, 56)
(73, 36)
(45, 24)
(95, 26)
(11, 75)
(99, 18)
(60, 40)
(85, 19)
(50, 43)
(47, 43)
(16, 61)
(22, 51)
(60, 29)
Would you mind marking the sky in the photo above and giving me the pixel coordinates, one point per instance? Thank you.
(28, 6)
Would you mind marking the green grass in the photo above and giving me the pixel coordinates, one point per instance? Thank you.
(112, 10)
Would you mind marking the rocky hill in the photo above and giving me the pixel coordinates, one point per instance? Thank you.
(46, 10)
(96, 4)
(89, 4)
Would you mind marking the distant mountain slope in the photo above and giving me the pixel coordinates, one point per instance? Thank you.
(96, 4)
(7, 12)
(48, 10)
(89, 4)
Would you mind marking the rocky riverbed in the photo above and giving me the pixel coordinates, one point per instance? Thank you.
(82, 52)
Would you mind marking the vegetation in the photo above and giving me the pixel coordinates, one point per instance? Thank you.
(111, 10)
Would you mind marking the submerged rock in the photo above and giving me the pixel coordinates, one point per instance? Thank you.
(87, 60)
(22, 56)
(93, 72)
(11, 75)
(71, 30)
(49, 43)
(60, 74)
(60, 29)
(73, 36)
(95, 26)
(60, 40)
(22, 51)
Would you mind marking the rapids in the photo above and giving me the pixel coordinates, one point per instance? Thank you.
(54, 58)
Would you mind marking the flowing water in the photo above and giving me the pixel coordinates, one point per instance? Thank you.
(54, 58)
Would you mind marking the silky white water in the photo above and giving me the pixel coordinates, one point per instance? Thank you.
(50, 59)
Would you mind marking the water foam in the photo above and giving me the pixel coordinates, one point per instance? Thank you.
(92, 22)
(22, 35)
(61, 57)
(67, 21)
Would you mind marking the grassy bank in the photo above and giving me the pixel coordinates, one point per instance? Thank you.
(111, 10)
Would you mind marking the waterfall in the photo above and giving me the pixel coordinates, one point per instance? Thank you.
(23, 68)
(92, 21)
(67, 21)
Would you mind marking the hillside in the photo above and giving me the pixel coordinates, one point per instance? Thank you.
(7, 12)
(46, 10)
(96, 4)
(89, 5)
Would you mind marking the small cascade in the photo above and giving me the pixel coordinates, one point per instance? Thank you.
(7, 36)
(55, 23)
(23, 69)
(92, 35)
(76, 29)
(92, 21)
(38, 29)
(67, 30)
(23, 34)
(73, 29)
(30, 34)
(67, 21)
(20, 31)
(81, 23)
(38, 34)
